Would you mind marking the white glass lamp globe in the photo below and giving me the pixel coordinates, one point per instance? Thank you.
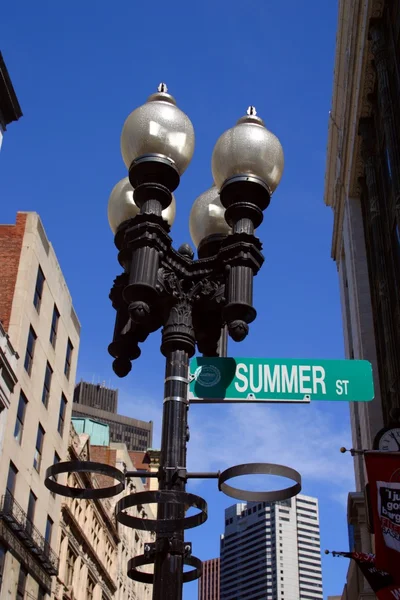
(121, 206)
(158, 127)
(248, 148)
(207, 217)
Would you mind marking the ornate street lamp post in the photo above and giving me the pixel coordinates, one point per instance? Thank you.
(191, 300)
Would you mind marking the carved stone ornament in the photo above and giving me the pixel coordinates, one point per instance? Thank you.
(368, 85)
(168, 282)
(57, 588)
(377, 9)
(207, 289)
(181, 314)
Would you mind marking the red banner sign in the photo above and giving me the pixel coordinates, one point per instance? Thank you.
(383, 469)
(381, 582)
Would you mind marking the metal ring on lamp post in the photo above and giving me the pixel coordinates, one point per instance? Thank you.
(78, 466)
(142, 559)
(161, 497)
(264, 469)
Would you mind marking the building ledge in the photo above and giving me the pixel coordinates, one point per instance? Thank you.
(10, 109)
(17, 521)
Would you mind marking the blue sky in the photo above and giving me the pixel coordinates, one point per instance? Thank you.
(79, 69)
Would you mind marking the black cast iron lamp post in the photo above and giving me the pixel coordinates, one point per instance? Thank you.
(191, 300)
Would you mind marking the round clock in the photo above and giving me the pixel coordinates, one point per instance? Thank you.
(388, 440)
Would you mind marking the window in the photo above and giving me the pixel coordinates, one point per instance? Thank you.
(30, 350)
(90, 588)
(47, 384)
(49, 529)
(54, 326)
(31, 506)
(37, 298)
(19, 423)
(71, 558)
(37, 459)
(23, 574)
(61, 416)
(41, 593)
(3, 551)
(68, 359)
(11, 479)
(300, 501)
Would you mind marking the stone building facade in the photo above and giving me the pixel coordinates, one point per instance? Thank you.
(8, 379)
(132, 541)
(94, 548)
(88, 538)
(36, 312)
(362, 186)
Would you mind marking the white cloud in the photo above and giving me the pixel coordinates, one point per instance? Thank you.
(304, 438)
(342, 498)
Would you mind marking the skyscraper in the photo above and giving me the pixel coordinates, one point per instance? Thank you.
(100, 403)
(272, 551)
(96, 396)
(209, 582)
(37, 313)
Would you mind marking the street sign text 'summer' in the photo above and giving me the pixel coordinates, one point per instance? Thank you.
(279, 380)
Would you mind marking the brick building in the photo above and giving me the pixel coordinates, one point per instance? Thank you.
(37, 314)
(209, 582)
(147, 461)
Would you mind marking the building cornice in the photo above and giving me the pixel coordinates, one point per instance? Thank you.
(356, 508)
(10, 109)
(354, 82)
(154, 456)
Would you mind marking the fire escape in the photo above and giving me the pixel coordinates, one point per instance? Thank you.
(16, 519)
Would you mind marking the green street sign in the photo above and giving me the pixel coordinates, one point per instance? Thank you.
(279, 380)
